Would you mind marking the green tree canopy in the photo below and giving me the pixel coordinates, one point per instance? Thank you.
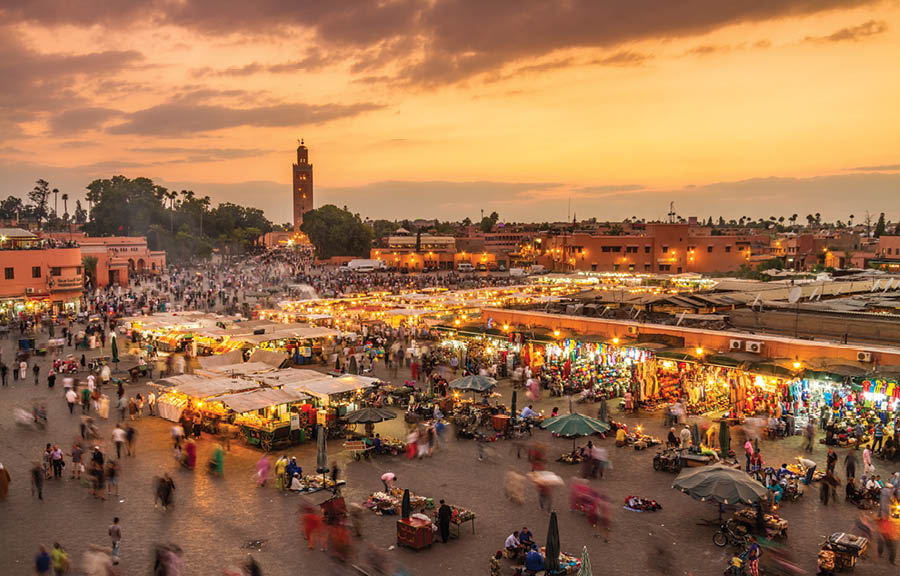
(336, 232)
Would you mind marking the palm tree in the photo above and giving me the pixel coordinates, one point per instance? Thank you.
(850, 221)
(793, 219)
(65, 198)
(90, 268)
(55, 201)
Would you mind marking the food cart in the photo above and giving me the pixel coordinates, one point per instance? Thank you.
(268, 418)
(776, 527)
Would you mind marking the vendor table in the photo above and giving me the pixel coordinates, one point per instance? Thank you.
(458, 524)
(414, 533)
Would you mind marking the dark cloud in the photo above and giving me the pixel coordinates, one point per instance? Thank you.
(852, 33)
(624, 58)
(708, 50)
(78, 120)
(877, 168)
(35, 83)
(185, 117)
(315, 59)
(438, 42)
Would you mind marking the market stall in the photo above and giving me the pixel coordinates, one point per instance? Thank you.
(268, 418)
(189, 392)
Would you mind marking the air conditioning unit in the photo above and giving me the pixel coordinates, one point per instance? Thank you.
(633, 330)
(864, 356)
(753, 346)
(29, 290)
(735, 344)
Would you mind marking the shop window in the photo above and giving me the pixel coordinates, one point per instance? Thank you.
(646, 267)
(9, 273)
(709, 248)
(631, 267)
(615, 267)
(56, 271)
(35, 271)
(728, 248)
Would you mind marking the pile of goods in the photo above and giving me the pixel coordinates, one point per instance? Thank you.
(459, 515)
(391, 503)
(316, 483)
(636, 504)
(774, 525)
(392, 446)
(573, 457)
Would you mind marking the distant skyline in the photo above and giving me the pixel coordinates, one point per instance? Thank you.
(438, 109)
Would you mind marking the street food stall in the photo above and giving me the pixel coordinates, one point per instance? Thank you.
(335, 397)
(267, 417)
(189, 392)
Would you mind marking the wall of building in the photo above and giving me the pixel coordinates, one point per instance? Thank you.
(663, 248)
(51, 273)
(772, 346)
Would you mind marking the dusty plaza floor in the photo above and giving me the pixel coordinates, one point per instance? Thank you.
(214, 519)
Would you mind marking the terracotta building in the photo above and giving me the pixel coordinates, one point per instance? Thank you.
(118, 257)
(661, 248)
(38, 273)
(302, 191)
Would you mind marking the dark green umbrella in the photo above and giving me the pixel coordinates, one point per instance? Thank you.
(405, 506)
(321, 450)
(724, 438)
(551, 561)
(722, 484)
(513, 406)
(574, 425)
(370, 415)
(115, 350)
(474, 383)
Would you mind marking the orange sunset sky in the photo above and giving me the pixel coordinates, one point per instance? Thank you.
(441, 108)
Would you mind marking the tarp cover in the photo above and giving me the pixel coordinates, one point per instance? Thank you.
(328, 386)
(287, 376)
(273, 359)
(261, 398)
(720, 484)
(209, 388)
(210, 362)
(241, 368)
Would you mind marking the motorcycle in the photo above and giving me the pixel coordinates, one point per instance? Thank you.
(731, 533)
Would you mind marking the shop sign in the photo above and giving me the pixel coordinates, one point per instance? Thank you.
(295, 421)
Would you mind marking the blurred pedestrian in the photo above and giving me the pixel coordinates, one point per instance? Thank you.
(131, 440)
(37, 481)
(119, 437)
(59, 559)
(164, 489)
(115, 536)
(4, 483)
(444, 515)
(42, 562)
(263, 469)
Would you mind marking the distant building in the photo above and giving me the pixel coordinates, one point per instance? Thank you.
(119, 258)
(303, 185)
(38, 274)
(661, 248)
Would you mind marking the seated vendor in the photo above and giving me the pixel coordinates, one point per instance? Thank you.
(528, 412)
(620, 437)
(293, 468)
(534, 561)
(513, 546)
(672, 439)
(296, 485)
(526, 538)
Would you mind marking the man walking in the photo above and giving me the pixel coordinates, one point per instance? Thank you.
(879, 436)
(850, 464)
(119, 436)
(71, 398)
(115, 534)
(810, 435)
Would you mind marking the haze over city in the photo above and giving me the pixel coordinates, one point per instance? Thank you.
(441, 109)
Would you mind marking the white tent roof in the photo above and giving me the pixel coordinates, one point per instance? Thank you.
(204, 388)
(329, 386)
(287, 376)
(260, 398)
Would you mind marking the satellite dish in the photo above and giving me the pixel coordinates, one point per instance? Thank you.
(795, 294)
